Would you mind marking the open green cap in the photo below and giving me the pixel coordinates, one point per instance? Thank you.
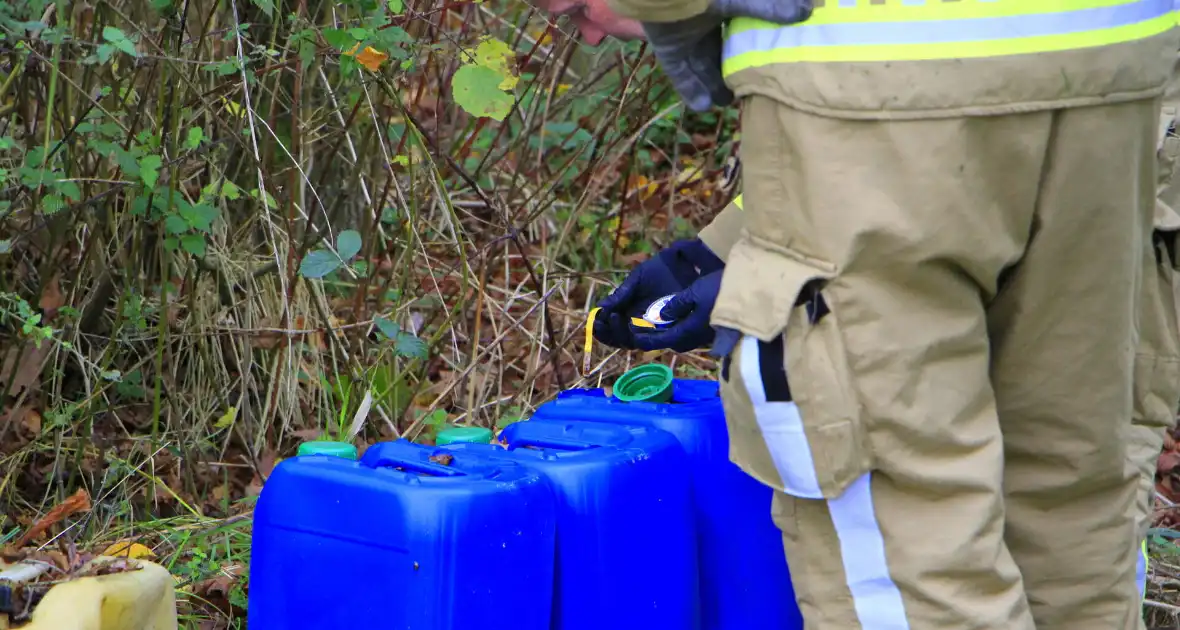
(468, 435)
(326, 447)
(646, 383)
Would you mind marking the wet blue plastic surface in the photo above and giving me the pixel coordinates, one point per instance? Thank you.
(625, 535)
(745, 582)
(359, 545)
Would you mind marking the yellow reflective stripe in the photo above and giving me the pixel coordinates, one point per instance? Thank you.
(737, 201)
(894, 11)
(952, 50)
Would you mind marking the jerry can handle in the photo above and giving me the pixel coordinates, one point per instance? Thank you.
(394, 455)
(552, 442)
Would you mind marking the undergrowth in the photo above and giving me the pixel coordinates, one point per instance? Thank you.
(227, 226)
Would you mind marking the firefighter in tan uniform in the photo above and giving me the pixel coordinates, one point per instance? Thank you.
(947, 214)
(1157, 377)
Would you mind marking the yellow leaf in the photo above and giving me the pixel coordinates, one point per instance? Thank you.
(498, 56)
(233, 108)
(690, 172)
(645, 187)
(370, 57)
(562, 88)
(227, 418)
(129, 549)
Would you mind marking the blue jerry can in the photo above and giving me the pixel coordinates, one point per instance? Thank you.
(397, 541)
(745, 582)
(625, 533)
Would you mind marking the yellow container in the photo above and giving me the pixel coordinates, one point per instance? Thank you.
(134, 600)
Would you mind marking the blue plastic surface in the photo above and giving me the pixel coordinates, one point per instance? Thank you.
(745, 582)
(626, 555)
(396, 541)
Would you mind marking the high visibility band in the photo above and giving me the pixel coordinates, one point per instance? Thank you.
(747, 47)
(737, 201)
(1141, 570)
(875, 596)
(879, 11)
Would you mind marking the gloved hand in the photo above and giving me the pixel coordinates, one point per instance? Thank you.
(690, 310)
(689, 50)
(670, 271)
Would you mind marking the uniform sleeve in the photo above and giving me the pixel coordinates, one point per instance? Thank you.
(659, 10)
(725, 230)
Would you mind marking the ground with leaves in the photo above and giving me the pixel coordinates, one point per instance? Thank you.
(228, 226)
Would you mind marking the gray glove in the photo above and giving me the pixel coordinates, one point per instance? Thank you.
(689, 51)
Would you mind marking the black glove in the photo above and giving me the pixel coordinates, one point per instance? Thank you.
(689, 310)
(690, 50)
(672, 270)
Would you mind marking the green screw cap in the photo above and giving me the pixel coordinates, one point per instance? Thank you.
(646, 383)
(469, 435)
(325, 447)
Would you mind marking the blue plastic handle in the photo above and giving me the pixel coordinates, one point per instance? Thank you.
(409, 457)
(552, 442)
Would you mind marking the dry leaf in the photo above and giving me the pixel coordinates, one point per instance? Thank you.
(370, 57)
(442, 458)
(78, 502)
(25, 374)
(129, 549)
(52, 298)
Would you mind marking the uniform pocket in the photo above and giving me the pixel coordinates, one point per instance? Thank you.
(803, 436)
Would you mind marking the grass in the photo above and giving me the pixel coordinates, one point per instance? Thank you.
(222, 233)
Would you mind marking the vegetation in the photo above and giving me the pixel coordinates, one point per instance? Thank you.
(227, 226)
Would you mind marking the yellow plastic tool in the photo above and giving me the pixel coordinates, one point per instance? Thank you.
(135, 600)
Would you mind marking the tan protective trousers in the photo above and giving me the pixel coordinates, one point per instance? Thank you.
(956, 302)
(1157, 366)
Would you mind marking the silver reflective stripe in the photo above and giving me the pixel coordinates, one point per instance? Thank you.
(1141, 572)
(875, 596)
(945, 31)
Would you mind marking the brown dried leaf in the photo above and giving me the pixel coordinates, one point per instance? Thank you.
(442, 458)
(52, 297)
(17, 376)
(78, 502)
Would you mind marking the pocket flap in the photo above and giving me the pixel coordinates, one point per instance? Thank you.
(761, 286)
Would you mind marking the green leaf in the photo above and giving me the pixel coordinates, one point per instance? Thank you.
(267, 6)
(348, 243)
(119, 40)
(319, 263)
(338, 38)
(194, 138)
(193, 244)
(436, 418)
(359, 34)
(407, 345)
(5, 246)
(52, 204)
(230, 190)
(104, 52)
(149, 169)
(68, 189)
(477, 90)
(128, 162)
(396, 6)
(174, 224)
(6, 142)
(199, 217)
(389, 329)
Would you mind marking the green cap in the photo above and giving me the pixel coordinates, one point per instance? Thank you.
(646, 383)
(325, 447)
(464, 435)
